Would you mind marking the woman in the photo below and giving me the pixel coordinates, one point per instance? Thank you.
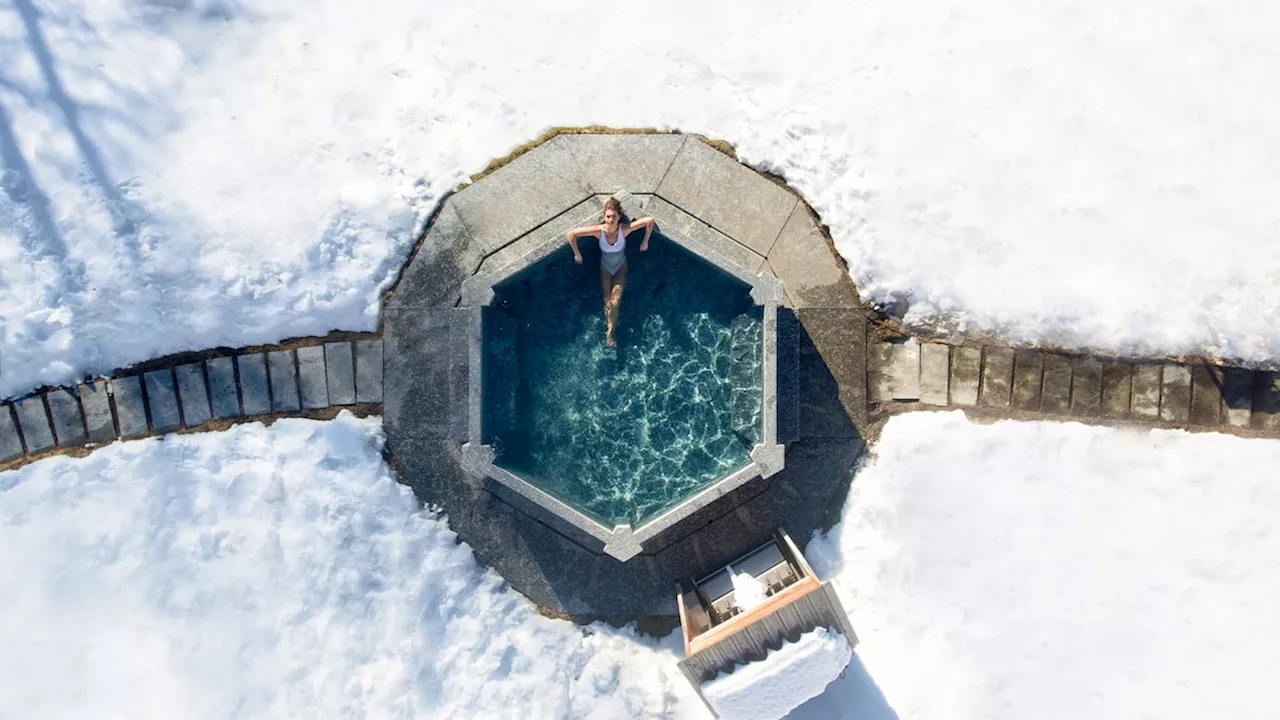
(613, 260)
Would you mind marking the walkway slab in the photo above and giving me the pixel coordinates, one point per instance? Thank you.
(833, 371)
(733, 198)
(445, 257)
(68, 423)
(193, 394)
(95, 399)
(131, 412)
(879, 384)
(311, 378)
(416, 365)
(904, 370)
(997, 377)
(369, 371)
(1175, 393)
(254, 391)
(34, 422)
(1086, 387)
(614, 162)
(284, 381)
(1266, 401)
(1055, 394)
(966, 372)
(340, 373)
(1237, 396)
(1028, 370)
(935, 367)
(223, 399)
(806, 264)
(10, 441)
(1206, 395)
(1116, 387)
(162, 401)
(1145, 402)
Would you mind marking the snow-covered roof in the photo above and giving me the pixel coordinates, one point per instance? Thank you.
(785, 679)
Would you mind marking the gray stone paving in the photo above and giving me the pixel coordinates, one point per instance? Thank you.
(10, 440)
(1086, 387)
(1117, 378)
(193, 394)
(311, 377)
(68, 423)
(1175, 393)
(224, 399)
(801, 258)
(162, 401)
(1237, 396)
(1145, 396)
(284, 381)
(607, 163)
(255, 393)
(34, 422)
(997, 377)
(1266, 402)
(95, 399)
(966, 373)
(1206, 395)
(935, 369)
(131, 412)
(369, 371)
(340, 373)
(1055, 390)
(1028, 374)
(904, 370)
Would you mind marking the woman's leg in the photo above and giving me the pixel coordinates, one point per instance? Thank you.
(613, 305)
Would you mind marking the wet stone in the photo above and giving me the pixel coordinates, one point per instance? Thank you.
(162, 401)
(1266, 401)
(1145, 400)
(997, 377)
(339, 368)
(368, 371)
(68, 424)
(1175, 393)
(935, 366)
(224, 400)
(311, 377)
(34, 423)
(1086, 387)
(254, 391)
(1115, 389)
(284, 381)
(904, 370)
(1206, 395)
(1237, 396)
(131, 413)
(96, 401)
(10, 441)
(193, 394)
(1055, 395)
(1028, 366)
(966, 371)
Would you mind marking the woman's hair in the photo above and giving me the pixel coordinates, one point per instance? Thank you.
(617, 208)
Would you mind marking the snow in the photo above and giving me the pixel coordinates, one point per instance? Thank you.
(181, 174)
(1040, 570)
(748, 592)
(770, 688)
(280, 572)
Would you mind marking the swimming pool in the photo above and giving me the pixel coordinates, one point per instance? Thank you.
(622, 434)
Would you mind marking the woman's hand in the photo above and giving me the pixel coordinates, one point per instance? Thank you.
(577, 258)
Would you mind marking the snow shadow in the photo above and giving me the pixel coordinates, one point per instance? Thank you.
(854, 696)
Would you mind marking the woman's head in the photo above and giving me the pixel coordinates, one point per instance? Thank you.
(612, 212)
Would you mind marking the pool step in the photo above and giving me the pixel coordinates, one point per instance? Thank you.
(746, 358)
(788, 376)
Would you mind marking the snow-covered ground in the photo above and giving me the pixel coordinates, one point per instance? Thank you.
(186, 173)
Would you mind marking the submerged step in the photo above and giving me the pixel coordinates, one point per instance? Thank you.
(746, 368)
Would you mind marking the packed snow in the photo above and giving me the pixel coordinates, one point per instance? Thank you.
(280, 573)
(181, 174)
(770, 688)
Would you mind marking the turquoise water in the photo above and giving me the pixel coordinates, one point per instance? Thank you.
(623, 433)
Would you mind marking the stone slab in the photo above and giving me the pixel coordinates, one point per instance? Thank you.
(630, 162)
(1145, 397)
(284, 381)
(1028, 372)
(788, 376)
(68, 422)
(1055, 391)
(675, 222)
(1175, 393)
(1206, 395)
(1086, 387)
(95, 399)
(460, 374)
(10, 440)
(416, 361)
(1266, 401)
(904, 370)
(966, 374)
(833, 371)
(1116, 387)
(311, 378)
(731, 197)
(997, 377)
(548, 238)
(255, 393)
(935, 367)
(879, 384)
(340, 373)
(131, 411)
(369, 371)
(445, 257)
(808, 266)
(520, 196)
(1237, 396)
(223, 399)
(193, 394)
(34, 422)
(162, 401)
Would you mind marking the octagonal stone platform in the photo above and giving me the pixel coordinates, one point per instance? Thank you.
(707, 202)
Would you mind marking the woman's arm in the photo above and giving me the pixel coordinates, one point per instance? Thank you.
(572, 236)
(645, 222)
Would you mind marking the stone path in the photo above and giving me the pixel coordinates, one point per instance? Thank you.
(995, 381)
(196, 391)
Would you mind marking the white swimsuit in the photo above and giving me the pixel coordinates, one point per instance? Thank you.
(613, 257)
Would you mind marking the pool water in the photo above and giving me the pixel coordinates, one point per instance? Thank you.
(624, 433)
